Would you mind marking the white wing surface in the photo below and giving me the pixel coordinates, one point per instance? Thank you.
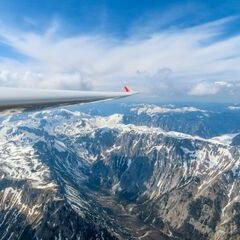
(24, 99)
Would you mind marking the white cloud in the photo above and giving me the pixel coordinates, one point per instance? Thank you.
(172, 62)
(204, 88)
(213, 88)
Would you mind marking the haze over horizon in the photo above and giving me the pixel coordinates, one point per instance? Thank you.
(168, 50)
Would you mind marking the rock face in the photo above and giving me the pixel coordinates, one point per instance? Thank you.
(68, 175)
(236, 140)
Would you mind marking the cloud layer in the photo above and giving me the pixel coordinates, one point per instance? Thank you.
(174, 63)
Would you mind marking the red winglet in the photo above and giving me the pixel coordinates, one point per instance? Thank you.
(127, 89)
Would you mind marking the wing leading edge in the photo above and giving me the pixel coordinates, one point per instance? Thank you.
(24, 99)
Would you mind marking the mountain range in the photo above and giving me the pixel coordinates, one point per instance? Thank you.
(133, 171)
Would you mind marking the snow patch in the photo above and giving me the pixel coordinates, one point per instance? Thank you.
(225, 139)
(151, 109)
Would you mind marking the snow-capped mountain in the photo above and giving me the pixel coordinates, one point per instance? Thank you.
(204, 122)
(70, 175)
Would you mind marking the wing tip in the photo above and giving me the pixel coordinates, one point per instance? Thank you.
(127, 89)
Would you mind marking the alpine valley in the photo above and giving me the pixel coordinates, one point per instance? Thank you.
(121, 171)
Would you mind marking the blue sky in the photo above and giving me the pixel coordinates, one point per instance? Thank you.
(172, 50)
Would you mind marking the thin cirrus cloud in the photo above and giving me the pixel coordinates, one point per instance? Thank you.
(175, 63)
